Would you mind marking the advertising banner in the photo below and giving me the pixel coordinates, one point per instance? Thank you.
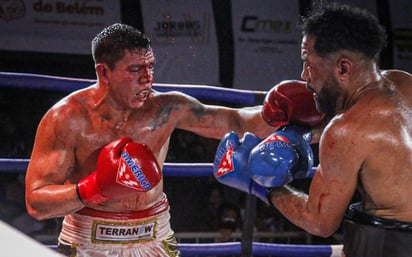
(401, 18)
(54, 26)
(184, 40)
(267, 43)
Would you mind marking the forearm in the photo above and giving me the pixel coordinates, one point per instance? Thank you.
(53, 201)
(293, 204)
(254, 122)
(288, 200)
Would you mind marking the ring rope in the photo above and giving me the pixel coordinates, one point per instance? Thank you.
(260, 249)
(64, 84)
(169, 169)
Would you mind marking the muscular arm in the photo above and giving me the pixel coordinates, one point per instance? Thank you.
(215, 121)
(51, 163)
(318, 130)
(321, 211)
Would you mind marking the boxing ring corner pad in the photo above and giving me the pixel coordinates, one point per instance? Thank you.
(336, 250)
(17, 244)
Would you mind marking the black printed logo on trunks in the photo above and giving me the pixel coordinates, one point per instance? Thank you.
(123, 232)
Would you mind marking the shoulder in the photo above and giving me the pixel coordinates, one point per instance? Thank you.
(340, 127)
(359, 130)
(364, 116)
(346, 132)
(173, 96)
(401, 80)
(70, 109)
(397, 75)
(343, 148)
(175, 100)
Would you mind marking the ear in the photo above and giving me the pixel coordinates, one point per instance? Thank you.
(101, 71)
(344, 67)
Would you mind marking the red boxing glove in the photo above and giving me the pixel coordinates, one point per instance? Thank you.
(123, 169)
(290, 102)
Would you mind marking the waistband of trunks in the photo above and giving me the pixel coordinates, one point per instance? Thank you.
(355, 214)
(159, 207)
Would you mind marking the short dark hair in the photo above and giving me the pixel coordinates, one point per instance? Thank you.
(110, 44)
(337, 27)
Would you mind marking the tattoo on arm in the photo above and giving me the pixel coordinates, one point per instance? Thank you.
(200, 111)
(162, 115)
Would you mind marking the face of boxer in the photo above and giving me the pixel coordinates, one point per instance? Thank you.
(327, 97)
(318, 72)
(130, 81)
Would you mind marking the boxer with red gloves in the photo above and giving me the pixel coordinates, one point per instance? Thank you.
(291, 102)
(123, 169)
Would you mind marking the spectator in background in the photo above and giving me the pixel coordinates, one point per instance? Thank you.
(230, 221)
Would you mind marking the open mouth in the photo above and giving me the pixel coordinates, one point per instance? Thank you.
(142, 95)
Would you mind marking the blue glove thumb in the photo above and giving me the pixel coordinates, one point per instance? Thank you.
(230, 165)
(300, 138)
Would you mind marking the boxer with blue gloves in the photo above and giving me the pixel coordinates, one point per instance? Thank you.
(255, 167)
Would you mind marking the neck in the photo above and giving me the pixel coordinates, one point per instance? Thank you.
(364, 77)
(361, 89)
(109, 110)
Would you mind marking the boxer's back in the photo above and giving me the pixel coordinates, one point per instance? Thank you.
(386, 173)
(402, 80)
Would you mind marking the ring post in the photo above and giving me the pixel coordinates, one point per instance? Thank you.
(248, 224)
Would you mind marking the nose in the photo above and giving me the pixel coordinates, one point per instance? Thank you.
(146, 73)
(304, 74)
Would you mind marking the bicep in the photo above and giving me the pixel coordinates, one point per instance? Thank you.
(215, 121)
(207, 120)
(329, 196)
(51, 159)
(334, 183)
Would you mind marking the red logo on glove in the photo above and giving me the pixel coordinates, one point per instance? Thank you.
(276, 138)
(226, 164)
(131, 175)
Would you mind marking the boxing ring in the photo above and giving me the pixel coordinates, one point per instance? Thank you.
(247, 247)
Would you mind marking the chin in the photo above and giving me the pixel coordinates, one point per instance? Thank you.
(136, 104)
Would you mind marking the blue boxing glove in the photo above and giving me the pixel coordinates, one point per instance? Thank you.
(281, 157)
(230, 166)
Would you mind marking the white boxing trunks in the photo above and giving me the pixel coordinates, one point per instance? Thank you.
(91, 233)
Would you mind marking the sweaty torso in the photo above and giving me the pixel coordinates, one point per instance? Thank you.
(382, 126)
(152, 124)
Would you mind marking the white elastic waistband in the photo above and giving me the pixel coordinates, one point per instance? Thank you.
(99, 230)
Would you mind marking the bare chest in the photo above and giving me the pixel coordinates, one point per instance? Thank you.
(100, 132)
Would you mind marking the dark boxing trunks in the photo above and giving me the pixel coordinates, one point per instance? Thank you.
(366, 235)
